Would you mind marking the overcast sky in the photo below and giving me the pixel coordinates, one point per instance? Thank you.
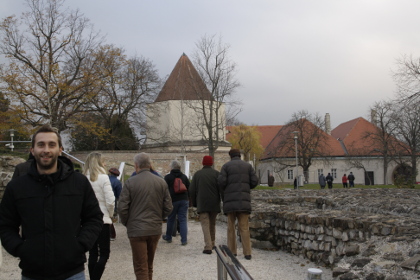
(323, 56)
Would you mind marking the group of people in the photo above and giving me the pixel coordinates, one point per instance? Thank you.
(346, 180)
(51, 216)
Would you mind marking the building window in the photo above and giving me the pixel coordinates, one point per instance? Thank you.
(334, 173)
(290, 174)
(320, 171)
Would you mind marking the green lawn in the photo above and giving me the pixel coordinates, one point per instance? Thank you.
(335, 186)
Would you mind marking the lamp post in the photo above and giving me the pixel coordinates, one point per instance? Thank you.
(12, 134)
(296, 156)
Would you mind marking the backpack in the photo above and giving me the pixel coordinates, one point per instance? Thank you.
(179, 186)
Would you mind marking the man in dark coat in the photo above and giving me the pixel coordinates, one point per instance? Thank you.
(330, 180)
(351, 180)
(205, 195)
(236, 180)
(57, 211)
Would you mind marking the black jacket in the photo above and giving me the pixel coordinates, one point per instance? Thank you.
(60, 219)
(204, 190)
(236, 180)
(170, 178)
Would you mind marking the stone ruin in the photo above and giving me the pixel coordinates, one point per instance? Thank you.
(369, 234)
(359, 233)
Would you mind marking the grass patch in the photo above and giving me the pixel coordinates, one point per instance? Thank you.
(335, 186)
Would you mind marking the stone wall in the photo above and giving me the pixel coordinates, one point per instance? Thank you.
(161, 161)
(7, 166)
(361, 233)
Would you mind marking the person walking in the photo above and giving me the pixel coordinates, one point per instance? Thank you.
(180, 203)
(322, 181)
(351, 179)
(330, 180)
(56, 210)
(95, 171)
(144, 202)
(344, 181)
(116, 188)
(205, 195)
(236, 179)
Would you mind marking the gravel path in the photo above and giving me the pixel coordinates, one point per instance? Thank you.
(173, 261)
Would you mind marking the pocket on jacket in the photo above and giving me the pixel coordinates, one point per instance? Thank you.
(70, 252)
(31, 254)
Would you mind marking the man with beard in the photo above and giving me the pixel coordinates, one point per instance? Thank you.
(57, 211)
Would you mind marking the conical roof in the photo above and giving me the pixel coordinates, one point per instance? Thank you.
(184, 83)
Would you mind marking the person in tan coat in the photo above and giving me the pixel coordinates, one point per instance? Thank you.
(144, 203)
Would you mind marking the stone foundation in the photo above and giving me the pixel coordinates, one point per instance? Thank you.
(361, 233)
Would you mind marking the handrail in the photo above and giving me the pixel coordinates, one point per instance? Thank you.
(228, 263)
(70, 156)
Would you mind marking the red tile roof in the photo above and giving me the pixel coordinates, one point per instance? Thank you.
(282, 144)
(355, 136)
(184, 83)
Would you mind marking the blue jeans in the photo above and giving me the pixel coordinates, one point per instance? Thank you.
(180, 208)
(78, 276)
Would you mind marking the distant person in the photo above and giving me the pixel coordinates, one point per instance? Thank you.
(205, 195)
(57, 211)
(344, 181)
(144, 203)
(295, 185)
(236, 179)
(95, 171)
(180, 203)
(330, 180)
(116, 188)
(22, 168)
(322, 181)
(351, 179)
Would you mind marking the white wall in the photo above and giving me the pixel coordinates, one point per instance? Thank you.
(340, 164)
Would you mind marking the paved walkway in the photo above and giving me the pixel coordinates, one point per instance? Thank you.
(177, 262)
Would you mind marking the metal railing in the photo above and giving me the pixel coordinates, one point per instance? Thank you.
(227, 263)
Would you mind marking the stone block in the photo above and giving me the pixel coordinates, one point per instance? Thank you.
(344, 236)
(412, 263)
(337, 271)
(327, 247)
(337, 234)
(386, 230)
(314, 246)
(361, 262)
(352, 250)
(319, 230)
(353, 234)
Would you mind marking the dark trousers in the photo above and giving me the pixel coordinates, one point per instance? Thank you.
(99, 254)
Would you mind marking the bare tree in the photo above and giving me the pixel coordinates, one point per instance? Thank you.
(312, 141)
(217, 70)
(406, 117)
(381, 141)
(407, 77)
(46, 69)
